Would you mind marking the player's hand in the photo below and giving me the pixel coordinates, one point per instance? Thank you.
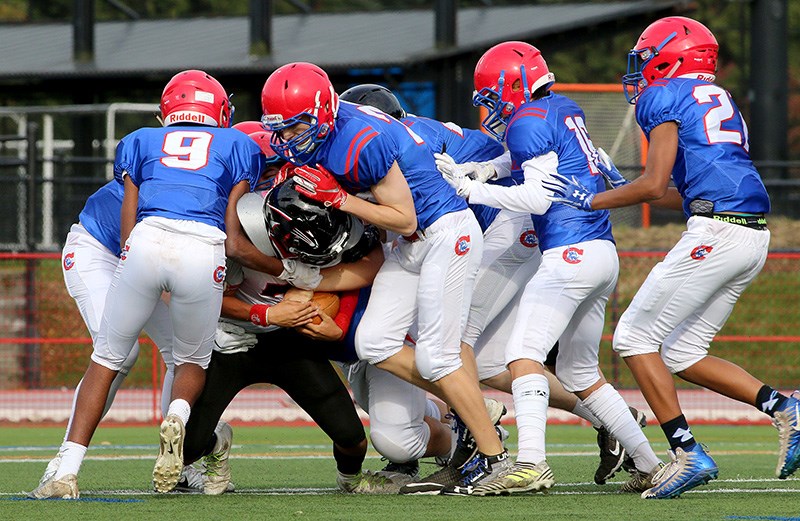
(609, 171)
(327, 330)
(291, 313)
(569, 191)
(318, 184)
(453, 174)
(300, 275)
(284, 173)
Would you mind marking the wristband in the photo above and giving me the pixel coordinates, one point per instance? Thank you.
(259, 314)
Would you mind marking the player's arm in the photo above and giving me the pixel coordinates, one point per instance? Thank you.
(653, 184)
(352, 275)
(529, 197)
(395, 209)
(287, 313)
(130, 203)
(238, 246)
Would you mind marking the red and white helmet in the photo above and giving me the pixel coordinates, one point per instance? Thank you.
(299, 93)
(248, 127)
(671, 47)
(195, 97)
(506, 76)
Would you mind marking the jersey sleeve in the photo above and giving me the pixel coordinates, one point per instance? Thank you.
(347, 306)
(247, 162)
(656, 105)
(127, 159)
(368, 159)
(234, 275)
(529, 135)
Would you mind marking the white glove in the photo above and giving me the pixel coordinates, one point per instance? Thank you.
(453, 174)
(480, 172)
(300, 275)
(609, 171)
(231, 338)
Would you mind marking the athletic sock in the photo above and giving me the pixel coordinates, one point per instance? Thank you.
(678, 433)
(347, 465)
(531, 394)
(71, 459)
(181, 409)
(615, 415)
(769, 400)
(581, 411)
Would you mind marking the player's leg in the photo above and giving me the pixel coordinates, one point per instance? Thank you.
(195, 286)
(159, 328)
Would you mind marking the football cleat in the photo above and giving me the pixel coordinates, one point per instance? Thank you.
(52, 468)
(169, 463)
(787, 421)
(401, 473)
(477, 470)
(466, 447)
(612, 454)
(217, 468)
(521, 477)
(193, 480)
(433, 484)
(367, 482)
(640, 481)
(687, 470)
(63, 488)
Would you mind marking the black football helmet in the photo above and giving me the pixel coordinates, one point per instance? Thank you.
(302, 228)
(375, 96)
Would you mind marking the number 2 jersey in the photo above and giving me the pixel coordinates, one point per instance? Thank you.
(187, 172)
(362, 149)
(713, 162)
(557, 124)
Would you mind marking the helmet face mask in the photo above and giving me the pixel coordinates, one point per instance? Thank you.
(306, 230)
(299, 107)
(193, 96)
(506, 76)
(670, 47)
(376, 96)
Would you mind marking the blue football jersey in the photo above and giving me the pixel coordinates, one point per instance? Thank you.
(557, 124)
(364, 144)
(713, 160)
(101, 215)
(187, 172)
(463, 145)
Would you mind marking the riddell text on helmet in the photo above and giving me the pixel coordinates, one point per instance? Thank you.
(191, 117)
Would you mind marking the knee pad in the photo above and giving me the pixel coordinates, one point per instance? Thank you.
(575, 379)
(432, 368)
(400, 444)
(373, 346)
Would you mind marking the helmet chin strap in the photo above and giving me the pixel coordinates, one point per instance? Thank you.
(674, 68)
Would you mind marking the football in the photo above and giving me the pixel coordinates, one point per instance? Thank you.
(328, 303)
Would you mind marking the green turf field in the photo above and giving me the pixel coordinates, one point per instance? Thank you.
(287, 473)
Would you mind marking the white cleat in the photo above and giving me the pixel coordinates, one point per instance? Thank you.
(169, 463)
(63, 488)
(217, 468)
(51, 469)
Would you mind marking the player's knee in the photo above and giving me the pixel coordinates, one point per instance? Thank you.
(678, 360)
(624, 345)
(400, 444)
(372, 345)
(433, 367)
(576, 379)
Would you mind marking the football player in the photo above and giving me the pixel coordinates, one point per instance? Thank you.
(178, 181)
(510, 258)
(429, 272)
(699, 140)
(565, 300)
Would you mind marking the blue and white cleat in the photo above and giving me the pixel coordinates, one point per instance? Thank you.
(687, 470)
(787, 421)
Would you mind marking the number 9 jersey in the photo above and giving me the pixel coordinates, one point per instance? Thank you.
(190, 170)
(713, 160)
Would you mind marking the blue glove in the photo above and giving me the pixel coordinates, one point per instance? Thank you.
(569, 191)
(609, 171)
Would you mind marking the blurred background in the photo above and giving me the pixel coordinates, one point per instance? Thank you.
(78, 75)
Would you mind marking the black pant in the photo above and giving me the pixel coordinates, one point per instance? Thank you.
(289, 360)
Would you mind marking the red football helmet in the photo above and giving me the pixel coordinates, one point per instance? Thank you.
(195, 97)
(506, 76)
(299, 93)
(670, 47)
(248, 127)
